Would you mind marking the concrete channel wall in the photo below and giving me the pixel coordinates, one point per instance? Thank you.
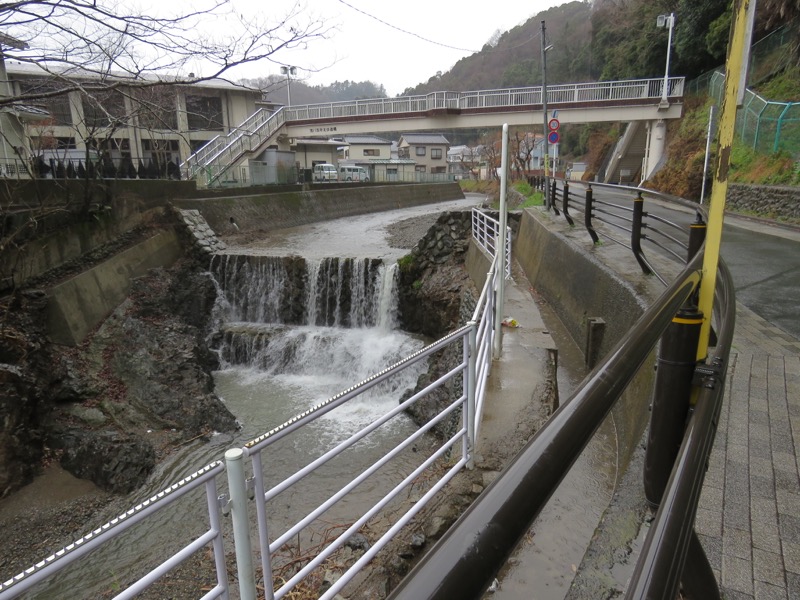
(585, 283)
(289, 209)
(78, 305)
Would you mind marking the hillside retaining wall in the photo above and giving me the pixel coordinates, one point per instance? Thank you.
(764, 200)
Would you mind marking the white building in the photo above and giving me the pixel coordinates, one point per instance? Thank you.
(156, 127)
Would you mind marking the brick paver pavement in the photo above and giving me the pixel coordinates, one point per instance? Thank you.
(749, 513)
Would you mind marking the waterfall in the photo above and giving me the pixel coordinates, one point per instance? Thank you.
(334, 292)
(312, 328)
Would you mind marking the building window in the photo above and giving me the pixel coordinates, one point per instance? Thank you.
(157, 108)
(419, 150)
(57, 106)
(371, 152)
(420, 168)
(104, 109)
(436, 153)
(438, 169)
(204, 113)
(159, 153)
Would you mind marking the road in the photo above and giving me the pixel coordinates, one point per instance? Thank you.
(764, 260)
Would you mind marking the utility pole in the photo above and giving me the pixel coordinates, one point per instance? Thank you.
(546, 153)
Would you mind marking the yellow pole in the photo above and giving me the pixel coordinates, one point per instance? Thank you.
(737, 53)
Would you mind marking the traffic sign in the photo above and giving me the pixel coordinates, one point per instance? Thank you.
(553, 124)
(553, 137)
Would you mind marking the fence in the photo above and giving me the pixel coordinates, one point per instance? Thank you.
(467, 379)
(471, 553)
(764, 125)
(486, 232)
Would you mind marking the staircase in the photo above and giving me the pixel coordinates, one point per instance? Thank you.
(213, 161)
(625, 165)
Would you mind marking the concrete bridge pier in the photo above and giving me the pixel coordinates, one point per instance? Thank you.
(656, 141)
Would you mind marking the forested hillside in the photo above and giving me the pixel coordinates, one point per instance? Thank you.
(592, 40)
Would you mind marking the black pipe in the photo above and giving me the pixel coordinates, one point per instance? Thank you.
(463, 563)
(636, 233)
(671, 400)
(587, 215)
(663, 557)
(697, 235)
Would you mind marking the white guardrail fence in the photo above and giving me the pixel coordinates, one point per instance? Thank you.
(461, 419)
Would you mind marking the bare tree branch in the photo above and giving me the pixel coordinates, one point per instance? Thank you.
(108, 46)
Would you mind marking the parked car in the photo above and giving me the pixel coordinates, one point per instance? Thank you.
(353, 174)
(325, 172)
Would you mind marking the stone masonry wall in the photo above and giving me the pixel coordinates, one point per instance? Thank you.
(768, 201)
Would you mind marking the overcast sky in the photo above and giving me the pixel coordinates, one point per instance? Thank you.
(382, 41)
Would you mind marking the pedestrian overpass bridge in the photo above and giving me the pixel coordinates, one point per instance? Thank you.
(642, 103)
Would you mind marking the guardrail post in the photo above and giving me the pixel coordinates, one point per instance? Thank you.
(234, 462)
(587, 215)
(500, 250)
(471, 354)
(553, 196)
(636, 233)
(697, 235)
(565, 205)
(671, 400)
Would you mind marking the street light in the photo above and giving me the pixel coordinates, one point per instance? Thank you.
(666, 21)
(289, 71)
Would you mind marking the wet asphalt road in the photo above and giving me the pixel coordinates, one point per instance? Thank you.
(764, 260)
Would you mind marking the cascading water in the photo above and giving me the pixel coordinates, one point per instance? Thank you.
(295, 332)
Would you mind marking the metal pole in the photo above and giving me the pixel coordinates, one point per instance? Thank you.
(671, 23)
(500, 252)
(671, 400)
(471, 343)
(738, 54)
(234, 462)
(709, 135)
(545, 153)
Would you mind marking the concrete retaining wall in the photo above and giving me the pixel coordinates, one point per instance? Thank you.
(575, 277)
(289, 209)
(78, 305)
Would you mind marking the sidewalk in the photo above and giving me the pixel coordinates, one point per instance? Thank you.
(749, 513)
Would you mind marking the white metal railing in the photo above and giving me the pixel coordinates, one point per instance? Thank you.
(98, 537)
(476, 340)
(214, 158)
(486, 231)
